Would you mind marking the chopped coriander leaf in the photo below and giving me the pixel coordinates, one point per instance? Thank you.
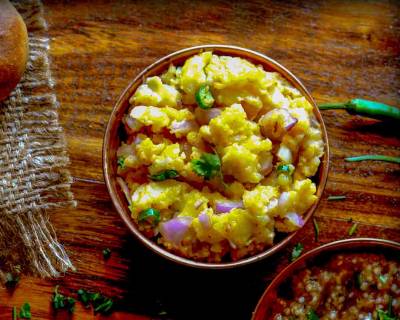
(311, 315)
(285, 168)
(296, 252)
(25, 311)
(204, 97)
(335, 198)
(208, 166)
(62, 302)
(103, 305)
(353, 229)
(383, 278)
(121, 162)
(384, 315)
(167, 174)
(84, 297)
(150, 215)
(11, 280)
(316, 229)
(106, 253)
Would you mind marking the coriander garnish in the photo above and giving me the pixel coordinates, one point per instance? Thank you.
(296, 252)
(121, 162)
(25, 311)
(167, 174)
(100, 303)
(62, 302)
(311, 315)
(208, 166)
(353, 229)
(316, 229)
(106, 253)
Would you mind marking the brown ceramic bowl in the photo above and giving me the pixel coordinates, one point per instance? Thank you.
(263, 310)
(112, 141)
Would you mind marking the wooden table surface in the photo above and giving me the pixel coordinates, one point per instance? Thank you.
(339, 49)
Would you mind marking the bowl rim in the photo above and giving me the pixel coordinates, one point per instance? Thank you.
(346, 244)
(231, 51)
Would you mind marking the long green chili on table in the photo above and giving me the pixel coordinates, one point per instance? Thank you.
(367, 108)
(375, 157)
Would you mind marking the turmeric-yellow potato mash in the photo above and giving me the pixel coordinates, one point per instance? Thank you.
(218, 157)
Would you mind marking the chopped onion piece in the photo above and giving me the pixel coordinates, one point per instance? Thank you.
(283, 199)
(132, 123)
(213, 113)
(295, 219)
(226, 206)
(174, 230)
(284, 154)
(182, 127)
(266, 166)
(124, 188)
(205, 220)
(290, 123)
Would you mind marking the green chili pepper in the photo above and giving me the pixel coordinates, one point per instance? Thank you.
(204, 97)
(367, 108)
(375, 157)
(150, 215)
(285, 168)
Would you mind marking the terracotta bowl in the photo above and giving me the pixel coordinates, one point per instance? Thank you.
(115, 127)
(264, 310)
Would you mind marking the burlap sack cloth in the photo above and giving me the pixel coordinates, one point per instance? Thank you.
(33, 157)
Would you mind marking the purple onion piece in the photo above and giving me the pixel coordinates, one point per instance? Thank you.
(226, 206)
(295, 219)
(266, 166)
(290, 123)
(174, 230)
(205, 220)
(213, 113)
(283, 199)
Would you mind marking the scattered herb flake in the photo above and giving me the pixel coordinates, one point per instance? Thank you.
(311, 315)
(14, 313)
(167, 174)
(383, 278)
(100, 303)
(336, 198)
(208, 166)
(316, 229)
(62, 302)
(106, 253)
(25, 311)
(353, 229)
(149, 215)
(359, 280)
(296, 252)
(121, 162)
(285, 168)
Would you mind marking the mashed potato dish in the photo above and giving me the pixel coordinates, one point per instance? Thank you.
(217, 158)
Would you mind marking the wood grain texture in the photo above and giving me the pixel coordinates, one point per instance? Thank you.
(339, 49)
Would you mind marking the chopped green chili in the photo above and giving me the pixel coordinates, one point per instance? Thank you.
(208, 166)
(150, 215)
(353, 229)
(311, 315)
(285, 168)
(316, 229)
(296, 252)
(167, 174)
(204, 97)
(373, 157)
(334, 198)
(367, 108)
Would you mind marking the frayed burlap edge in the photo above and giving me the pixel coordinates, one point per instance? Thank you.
(33, 158)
